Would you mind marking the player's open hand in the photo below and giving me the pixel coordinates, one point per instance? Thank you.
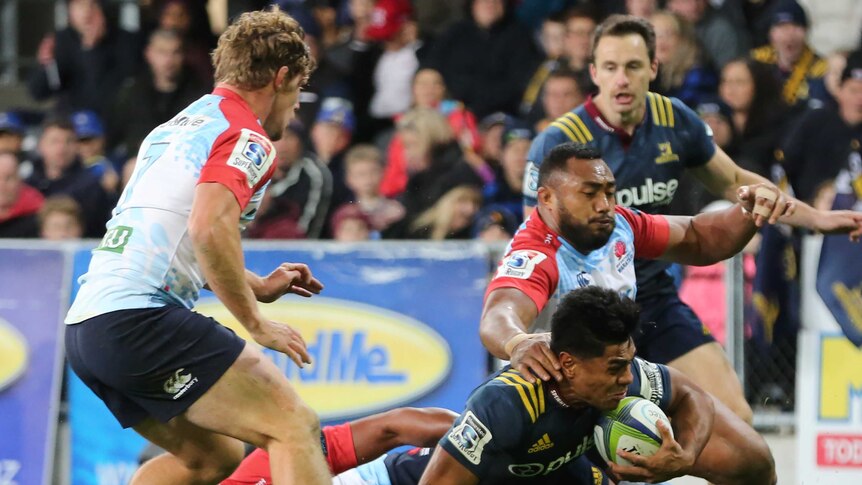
(532, 357)
(670, 461)
(293, 278)
(284, 339)
(841, 222)
(765, 202)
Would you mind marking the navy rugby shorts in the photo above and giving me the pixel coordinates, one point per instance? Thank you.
(151, 361)
(669, 329)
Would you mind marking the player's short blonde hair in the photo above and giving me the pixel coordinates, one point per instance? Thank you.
(253, 48)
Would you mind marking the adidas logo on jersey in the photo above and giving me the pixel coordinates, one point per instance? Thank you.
(543, 444)
(660, 193)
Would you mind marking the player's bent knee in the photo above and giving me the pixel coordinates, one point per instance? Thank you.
(215, 467)
(300, 422)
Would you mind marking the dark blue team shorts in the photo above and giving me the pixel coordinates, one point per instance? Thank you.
(669, 329)
(151, 361)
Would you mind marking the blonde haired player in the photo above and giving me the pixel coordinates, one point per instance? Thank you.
(179, 379)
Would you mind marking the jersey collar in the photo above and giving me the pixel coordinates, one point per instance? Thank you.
(233, 95)
(606, 125)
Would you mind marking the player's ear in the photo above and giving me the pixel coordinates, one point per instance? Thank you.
(546, 197)
(568, 363)
(593, 73)
(653, 67)
(281, 78)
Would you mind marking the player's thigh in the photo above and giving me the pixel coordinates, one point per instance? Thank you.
(710, 369)
(254, 402)
(735, 453)
(197, 448)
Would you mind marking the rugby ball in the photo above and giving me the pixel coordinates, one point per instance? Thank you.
(630, 427)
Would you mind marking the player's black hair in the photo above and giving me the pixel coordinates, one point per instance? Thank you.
(618, 25)
(589, 319)
(560, 155)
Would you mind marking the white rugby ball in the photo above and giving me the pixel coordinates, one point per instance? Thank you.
(630, 427)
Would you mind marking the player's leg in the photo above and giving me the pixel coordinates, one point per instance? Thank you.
(735, 453)
(673, 335)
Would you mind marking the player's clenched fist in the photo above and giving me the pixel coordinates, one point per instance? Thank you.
(765, 203)
(531, 355)
(284, 339)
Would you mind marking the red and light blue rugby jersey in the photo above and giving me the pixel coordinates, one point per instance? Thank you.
(647, 165)
(146, 258)
(545, 266)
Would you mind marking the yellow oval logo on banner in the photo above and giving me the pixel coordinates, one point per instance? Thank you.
(365, 358)
(13, 354)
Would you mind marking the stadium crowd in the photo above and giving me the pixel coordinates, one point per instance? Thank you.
(417, 121)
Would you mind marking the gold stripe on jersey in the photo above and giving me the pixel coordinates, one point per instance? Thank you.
(567, 131)
(669, 106)
(530, 387)
(654, 109)
(578, 121)
(662, 110)
(524, 399)
(534, 402)
(573, 127)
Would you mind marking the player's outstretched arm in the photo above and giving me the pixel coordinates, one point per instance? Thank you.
(715, 236)
(507, 315)
(692, 412)
(216, 241)
(379, 433)
(445, 470)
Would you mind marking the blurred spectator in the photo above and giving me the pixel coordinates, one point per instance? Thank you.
(435, 163)
(60, 219)
(505, 191)
(364, 171)
(429, 91)
(84, 64)
(296, 204)
(351, 224)
(196, 39)
(495, 224)
(759, 116)
(435, 16)
(791, 60)
(19, 203)
(580, 26)
(392, 25)
(487, 59)
(552, 38)
(126, 171)
(721, 40)
(491, 130)
(11, 132)
(153, 96)
(451, 217)
(91, 149)
(325, 15)
(822, 142)
(682, 70)
(330, 137)
(561, 94)
(641, 8)
(58, 171)
(835, 62)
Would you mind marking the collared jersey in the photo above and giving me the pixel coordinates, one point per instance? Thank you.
(545, 266)
(512, 431)
(146, 259)
(647, 165)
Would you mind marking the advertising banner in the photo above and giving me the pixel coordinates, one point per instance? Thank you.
(34, 291)
(396, 324)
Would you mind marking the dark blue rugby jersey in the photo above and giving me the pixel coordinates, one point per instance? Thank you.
(647, 166)
(516, 432)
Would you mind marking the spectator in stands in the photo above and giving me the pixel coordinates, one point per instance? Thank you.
(154, 96)
(799, 69)
(58, 171)
(331, 135)
(351, 224)
(84, 64)
(60, 219)
(19, 203)
(298, 199)
(364, 171)
(487, 59)
(721, 40)
(759, 116)
(641, 8)
(495, 224)
(835, 62)
(506, 189)
(451, 217)
(823, 141)
(552, 40)
(11, 132)
(682, 69)
(435, 164)
(91, 149)
(491, 130)
(580, 26)
(429, 91)
(562, 93)
(195, 37)
(392, 25)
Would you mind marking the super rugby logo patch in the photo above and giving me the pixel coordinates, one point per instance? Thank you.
(520, 264)
(253, 155)
(470, 437)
